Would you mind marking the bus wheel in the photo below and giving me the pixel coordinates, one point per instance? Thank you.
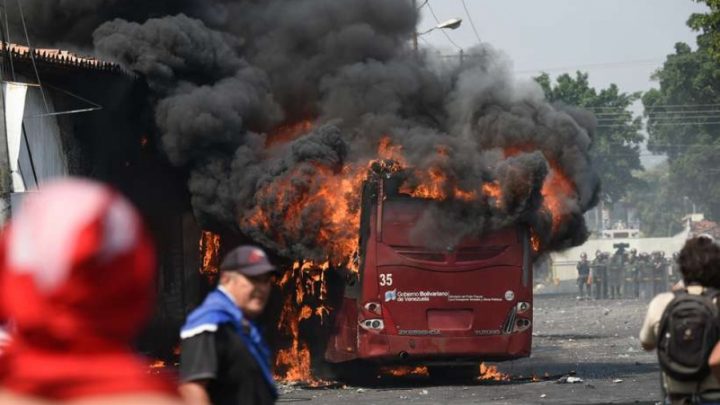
(459, 373)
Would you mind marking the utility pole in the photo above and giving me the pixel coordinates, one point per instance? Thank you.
(415, 33)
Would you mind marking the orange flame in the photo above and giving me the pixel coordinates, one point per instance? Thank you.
(209, 246)
(557, 188)
(432, 186)
(534, 241)
(288, 132)
(294, 362)
(295, 359)
(156, 367)
(491, 373)
(333, 194)
(157, 364)
(494, 191)
(389, 151)
(336, 199)
(402, 371)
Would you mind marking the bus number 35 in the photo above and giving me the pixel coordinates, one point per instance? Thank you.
(386, 279)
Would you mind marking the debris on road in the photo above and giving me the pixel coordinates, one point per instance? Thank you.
(568, 379)
(617, 381)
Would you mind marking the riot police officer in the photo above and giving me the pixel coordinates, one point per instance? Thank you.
(631, 286)
(599, 271)
(646, 276)
(616, 266)
(583, 280)
(659, 272)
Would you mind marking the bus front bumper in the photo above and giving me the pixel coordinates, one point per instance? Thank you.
(381, 347)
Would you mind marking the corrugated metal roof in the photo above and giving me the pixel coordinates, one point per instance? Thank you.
(56, 57)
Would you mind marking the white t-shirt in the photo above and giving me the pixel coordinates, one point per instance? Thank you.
(648, 337)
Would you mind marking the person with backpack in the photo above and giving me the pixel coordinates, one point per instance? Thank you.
(684, 326)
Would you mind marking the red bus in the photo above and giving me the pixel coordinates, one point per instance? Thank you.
(412, 305)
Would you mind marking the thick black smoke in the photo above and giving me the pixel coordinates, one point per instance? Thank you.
(227, 74)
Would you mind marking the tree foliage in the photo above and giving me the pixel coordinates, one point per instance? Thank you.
(659, 207)
(616, 140)
(684, 115)
(708, 24)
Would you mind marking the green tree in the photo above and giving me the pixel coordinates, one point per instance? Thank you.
(684, 115)
(616, 141)
(659, 207)
(708, 24)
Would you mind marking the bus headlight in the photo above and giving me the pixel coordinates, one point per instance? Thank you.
(373, 324)
(523, 307)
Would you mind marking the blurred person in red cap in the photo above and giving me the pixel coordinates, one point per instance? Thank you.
(223, 357)
(76, 277)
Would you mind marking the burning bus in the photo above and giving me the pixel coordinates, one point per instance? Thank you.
(412, 304)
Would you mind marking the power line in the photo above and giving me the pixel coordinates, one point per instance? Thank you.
(438, 22)
(472, 24)
(661, 117)
(666, 124)
(594, 65)
(429, 45)
(651, 111)
(665, 106)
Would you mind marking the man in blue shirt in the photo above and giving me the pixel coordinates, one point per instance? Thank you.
(224, 359)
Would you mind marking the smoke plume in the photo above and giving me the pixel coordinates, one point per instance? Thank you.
(277, 107)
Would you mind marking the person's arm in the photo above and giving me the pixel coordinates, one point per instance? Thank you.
(195, 392)
(198, 365)
(648, 340)
(647, 331)
(714, 362)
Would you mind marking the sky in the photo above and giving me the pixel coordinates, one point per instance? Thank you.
(615, 41)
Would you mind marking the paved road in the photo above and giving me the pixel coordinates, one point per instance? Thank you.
(593, 340)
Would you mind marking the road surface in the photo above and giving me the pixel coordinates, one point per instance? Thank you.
(595, 341)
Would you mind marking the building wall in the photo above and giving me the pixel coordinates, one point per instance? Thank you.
(41, 154)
